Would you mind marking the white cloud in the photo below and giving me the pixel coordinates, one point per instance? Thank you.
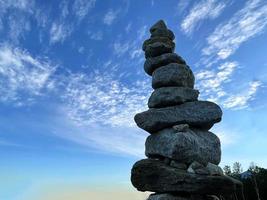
(97, 35)
(109, 17)
(212, 85)
(205, 9)
(241, 101)
(82, 7)
(22, 77)
(100, 98)
(245, 24)
(59, 32)
(210, 82)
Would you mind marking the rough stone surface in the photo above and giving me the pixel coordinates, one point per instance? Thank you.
(178, 165)
(156, 39)
(155, 176)
(166, 196)
(180, 128)
(158, 48)
(194, 146)
(173, 74)
(202, 171)
(201, 114)
(151, 64)
(160, 29)
(214, 169)
(170, 96)
(158, 25)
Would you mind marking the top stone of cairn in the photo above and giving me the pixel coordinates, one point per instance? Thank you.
(160, 29)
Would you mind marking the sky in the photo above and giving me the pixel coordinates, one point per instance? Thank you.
(72, 79)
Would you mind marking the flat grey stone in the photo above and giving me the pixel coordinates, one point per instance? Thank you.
(167, 196)
(178, 165)
(156, 39)
(195, 147)
(214, 169)
(173, 74)
(151, 64)
(180, 128)
(155, 176)
(202, 171)
(170, 96)
(158, 48)
(201, 114)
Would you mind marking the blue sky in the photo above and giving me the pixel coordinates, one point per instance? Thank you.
(71, 80)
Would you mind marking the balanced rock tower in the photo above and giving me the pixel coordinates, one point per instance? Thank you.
(183, 155)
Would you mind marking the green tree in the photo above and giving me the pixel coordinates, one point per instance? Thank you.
(237, 168)
(227, 170)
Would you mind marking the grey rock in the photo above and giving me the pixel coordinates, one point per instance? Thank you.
(173, 74)
(158, 48)
(195, 164)
(170, 96)
(156, 39)
(160, 29)
(202, 171)
(155, 176)
(158, 25)
(180, 128)
(151, 64)
(201, 114)
(178, 165)
(190, 170)
(167, 161)
(167, 196)
(163, 33)
(212, 197)
(185, 147)
(214, 169)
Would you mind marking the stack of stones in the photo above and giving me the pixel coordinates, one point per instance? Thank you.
(183, 155)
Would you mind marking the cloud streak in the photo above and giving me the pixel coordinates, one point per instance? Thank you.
(244, 25)
(22, 77)
(205, 9)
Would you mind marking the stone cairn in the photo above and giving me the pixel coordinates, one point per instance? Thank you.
(183, 155)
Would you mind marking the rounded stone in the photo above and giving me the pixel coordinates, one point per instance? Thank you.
(199, 114)
(151, 64)
(194, 147)
(170, 96)
(176, 75)
(158, 48)
(155, 176)
(156, 39)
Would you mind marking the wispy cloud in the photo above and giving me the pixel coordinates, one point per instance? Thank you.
(102, 98)
(22, 76)
(244, 25)
(82, 7)
(59, 32)
(241, 101)
(210, 82)
(205, 9)
(110, 17)
(97, 35)
(213, 83)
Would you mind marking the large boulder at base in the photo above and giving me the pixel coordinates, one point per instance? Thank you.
(155, 176)
(201, 114)
(171, 96)
(158, 48)
(185, 147)
(151, 64)
(167, 196)
(173, 74)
